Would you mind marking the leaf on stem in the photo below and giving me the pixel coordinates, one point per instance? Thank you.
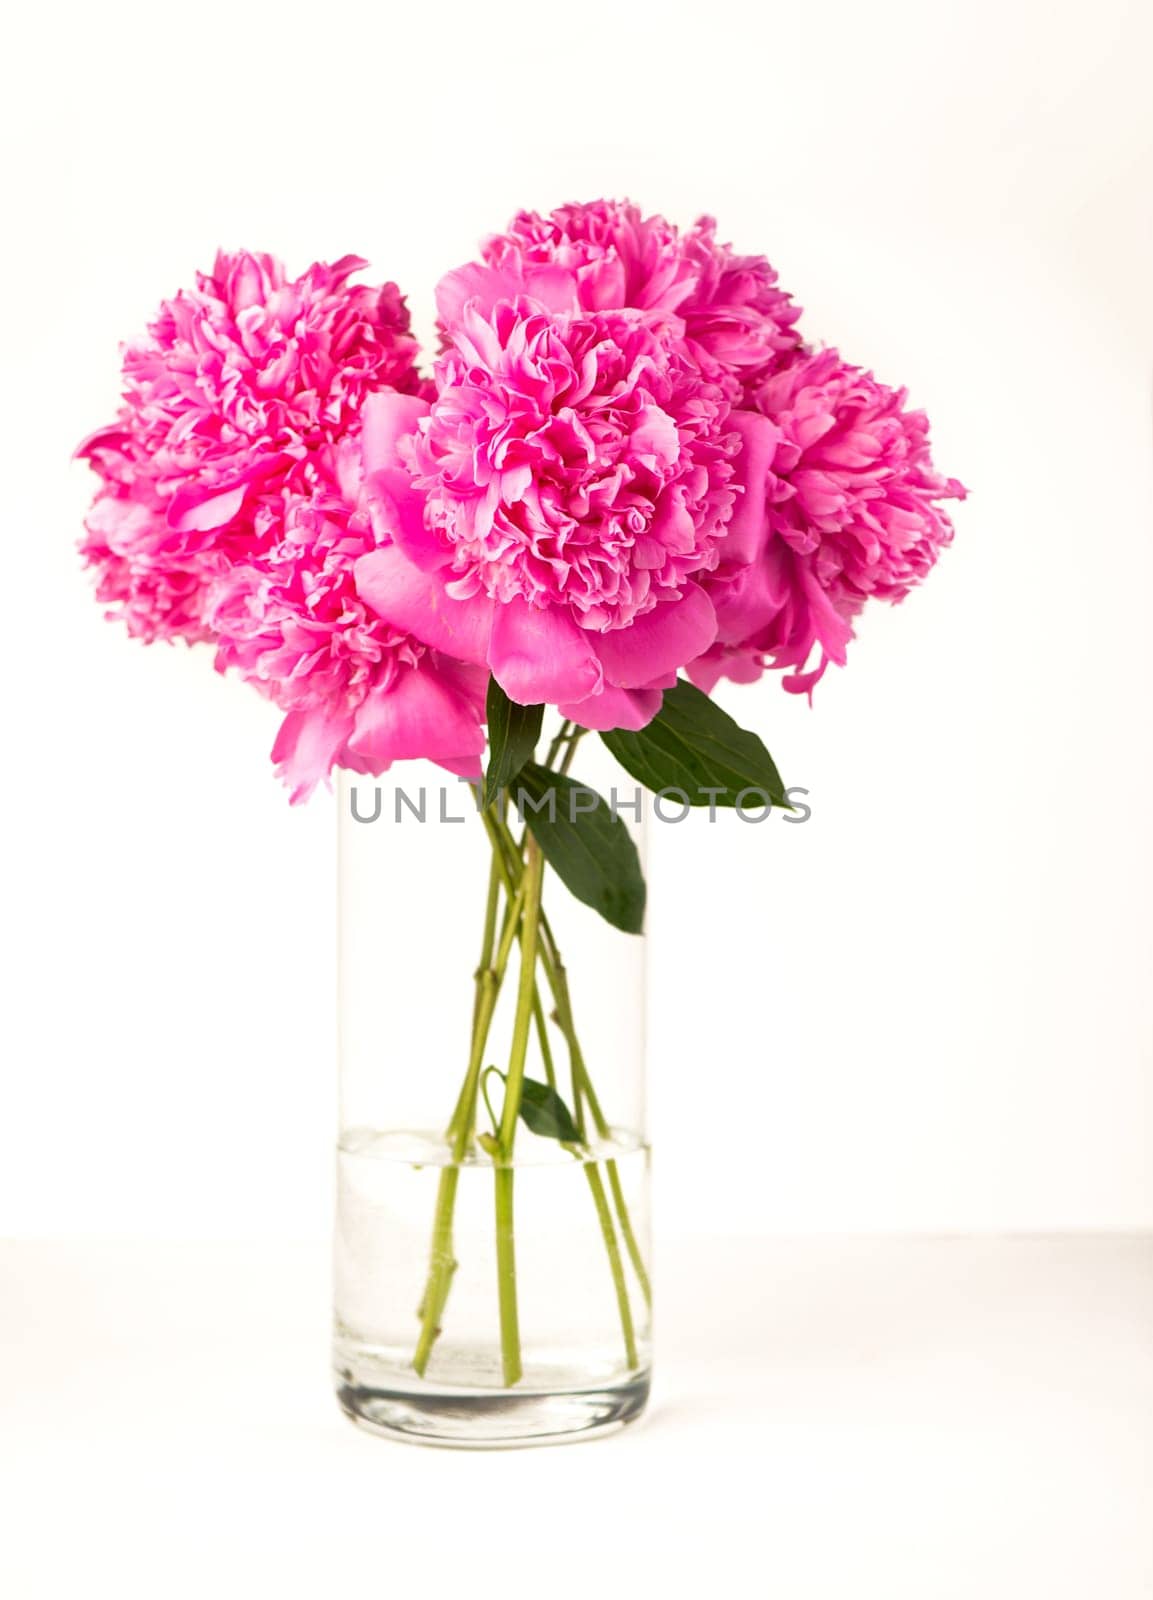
(512, 735)
(696, 750)
(585, 843)
(544, 1112)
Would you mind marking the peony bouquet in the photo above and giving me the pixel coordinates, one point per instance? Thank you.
(628, 476)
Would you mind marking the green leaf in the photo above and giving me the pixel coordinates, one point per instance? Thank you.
(694, 747)
(512, 735)
(544, 1112)
(587, 846)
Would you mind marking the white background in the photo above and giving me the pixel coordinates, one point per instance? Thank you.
(926, 1010)
(929, 1007)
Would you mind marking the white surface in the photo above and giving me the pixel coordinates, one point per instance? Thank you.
(927, 1008)
(904, 1420)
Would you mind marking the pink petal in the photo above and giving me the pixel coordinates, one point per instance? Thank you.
(396, 508)
(484, 287)
(402, 594)
(655, 436)
(806, 682)
(473, 282)
(554, 287)
(539, 654)
(832, 630)
(673, 526)
(395, 504)
(706, 671)
(660, 641)
(741, 665)
(418, 718)
(113, 438)
(748, 525)
(615, 708)
(306, 746)
(603, 283)
(386, 418)
(197, 510)
(468, 767)
(466, 679)
(748, 602)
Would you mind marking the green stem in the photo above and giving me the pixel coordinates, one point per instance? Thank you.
(506, 1278)
(530, 891)
(564, 734)
(582, 1087)
(627, 1234)
(442, 1262)
(606, 1222)
(491, 905)
(574, 738)
(441, 1267)
(543, 1040)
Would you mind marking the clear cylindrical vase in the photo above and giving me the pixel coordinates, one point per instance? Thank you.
(492, 1230)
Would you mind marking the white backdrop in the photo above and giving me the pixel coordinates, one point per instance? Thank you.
(929, 1007)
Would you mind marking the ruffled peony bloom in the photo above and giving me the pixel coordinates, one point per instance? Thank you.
(240, 386)
(841, 504)
(737, 322)
(555, 508)
(231, 512)
(358, 693)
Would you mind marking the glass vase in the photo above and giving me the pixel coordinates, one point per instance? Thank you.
(492, 1224)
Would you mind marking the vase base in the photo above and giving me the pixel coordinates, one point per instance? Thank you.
(486, 1420)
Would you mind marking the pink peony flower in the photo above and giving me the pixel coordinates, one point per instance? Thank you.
(569, 487)
(840, 504)
(241, 385)
(231, 512)
(738, 323)
(358, 693)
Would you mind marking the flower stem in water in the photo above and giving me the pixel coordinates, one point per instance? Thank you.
(530, 892)
(592, 1173)
(442, 1262)
(506, 1278)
